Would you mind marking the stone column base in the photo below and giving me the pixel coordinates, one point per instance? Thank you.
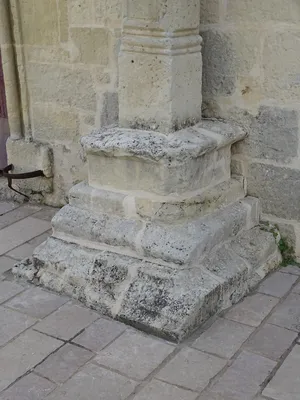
(161, 236)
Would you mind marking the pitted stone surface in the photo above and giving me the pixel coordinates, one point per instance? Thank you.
(190, 142)
(167, 299)
(241, 379)
(186, 242)
(149, 206)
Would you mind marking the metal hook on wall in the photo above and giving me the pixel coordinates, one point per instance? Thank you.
(5, 172)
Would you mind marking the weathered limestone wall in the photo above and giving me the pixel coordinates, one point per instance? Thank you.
(251, 74)
(67, 53)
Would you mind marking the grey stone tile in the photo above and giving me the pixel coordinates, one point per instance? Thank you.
(24, 353)
(61, 365)
(37, 302)
(94, 383)
(6, 264)
(47, 213)
(40, 239)
(291, 269)
(17, 215)
(277, 284)
(215, 396)
(252, 310)
(157, 390)
(286, 383)
(271, 341)
(134, 354)
(66, 322)
(30, 387)
(12, 324)
(20, 232)
(6, 207)
(296, 289)
(191, 369)
(21, 252)
(242, 380)
(8, 290)
(287, 314)
(223, 338)
(99, 334)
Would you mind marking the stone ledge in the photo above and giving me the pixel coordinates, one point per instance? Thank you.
(191, 159)
(145, 205)
(188, 143)
(179, 243)
(169, 302)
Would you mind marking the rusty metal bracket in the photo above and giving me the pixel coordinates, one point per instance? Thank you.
(5, 172)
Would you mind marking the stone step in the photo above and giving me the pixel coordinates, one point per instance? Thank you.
(187, 160)
(170, 302)
(179, 243)
(143, 205)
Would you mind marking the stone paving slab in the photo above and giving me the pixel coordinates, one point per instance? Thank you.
(99, 334)
(292, 269)
(17, 214)
(61, 365)
(30, 387)
(55, 349)
(286, 383)
(191, 369)
(252, 310)
(243, 378)
(278, 284)
(94, 383)
(157, 390)
(13, 235)
(6, 263)
(24, 353)
(287, 314)
(8, 290)
(67, 322)
(12, 324)
(36, 302)
(271, 341)
(134, 354)
(224, 338)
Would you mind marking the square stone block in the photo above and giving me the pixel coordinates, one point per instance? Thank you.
(191, 369)
(252, 310)
(271, 341)
(96, 383)
(61, 365)
(37, 302)
(223, 338)
(23, 354)
(30, 387)
(66, 322)
(134, 354)
(99, 334)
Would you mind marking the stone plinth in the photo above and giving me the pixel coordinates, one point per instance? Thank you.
(157, 253)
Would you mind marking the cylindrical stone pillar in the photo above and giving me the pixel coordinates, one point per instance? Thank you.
(160, 65)
(9, 71)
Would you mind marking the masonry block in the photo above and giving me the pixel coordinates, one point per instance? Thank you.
(274, 135)
(277, 187)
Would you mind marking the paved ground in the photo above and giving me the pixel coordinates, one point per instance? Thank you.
(53, 348)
